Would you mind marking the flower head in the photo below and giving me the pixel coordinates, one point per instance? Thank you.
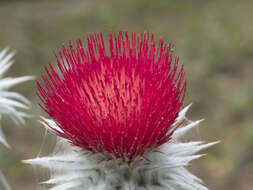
(122, 103)
(121, 110)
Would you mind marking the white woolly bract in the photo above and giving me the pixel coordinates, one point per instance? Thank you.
(3, 183)
(10, 102)
(161, 169)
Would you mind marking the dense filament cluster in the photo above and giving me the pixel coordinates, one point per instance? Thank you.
(122, 104)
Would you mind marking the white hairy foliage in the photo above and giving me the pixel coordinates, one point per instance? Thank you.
(3, 183)
(10, 102)
(162, 169)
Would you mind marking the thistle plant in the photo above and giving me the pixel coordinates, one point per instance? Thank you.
(12, 104)
(118, 116)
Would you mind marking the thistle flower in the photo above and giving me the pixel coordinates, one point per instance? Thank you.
(10, 102)
(120, 113)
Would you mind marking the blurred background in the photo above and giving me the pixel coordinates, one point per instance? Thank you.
(214, 40)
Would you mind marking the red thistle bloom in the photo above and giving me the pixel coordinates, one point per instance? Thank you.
(122, 104)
